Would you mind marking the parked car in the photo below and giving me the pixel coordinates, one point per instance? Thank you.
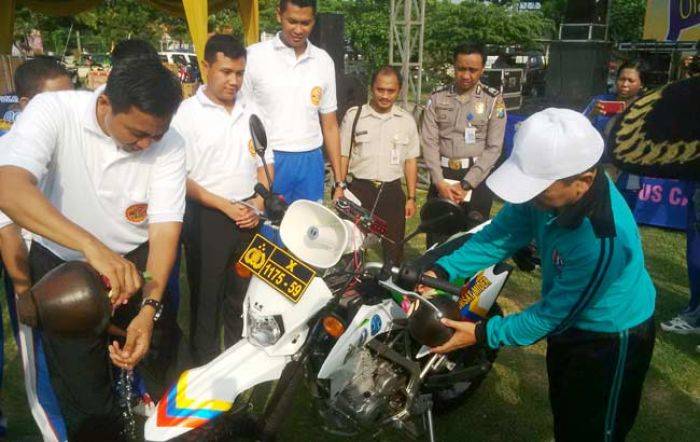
(179, 58)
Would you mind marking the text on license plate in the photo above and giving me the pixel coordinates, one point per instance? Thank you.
(277, 268)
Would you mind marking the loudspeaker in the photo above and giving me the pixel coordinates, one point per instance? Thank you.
(577, 70)
(314, 233)
(586, 11)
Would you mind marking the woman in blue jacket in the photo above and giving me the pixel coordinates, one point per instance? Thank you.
(629, 85)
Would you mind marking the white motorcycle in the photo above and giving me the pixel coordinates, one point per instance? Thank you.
(356, 331)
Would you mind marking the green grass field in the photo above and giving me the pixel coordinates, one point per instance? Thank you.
(512, 404)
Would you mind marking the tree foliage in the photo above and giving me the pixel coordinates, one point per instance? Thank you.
(627, 20)
(366, 25)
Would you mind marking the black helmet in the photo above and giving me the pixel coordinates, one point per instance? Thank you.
(424, 324)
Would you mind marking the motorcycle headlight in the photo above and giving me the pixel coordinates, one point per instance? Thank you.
(264, 330)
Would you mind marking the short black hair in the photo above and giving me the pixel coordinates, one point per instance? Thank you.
(228, 45)
(145, 84)
(638, 66)
(299, 3)
(388, 70)
(470, 48)
(30, 76)
(132, 48)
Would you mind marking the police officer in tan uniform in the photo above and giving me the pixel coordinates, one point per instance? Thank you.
(462, 135)
(379, 144)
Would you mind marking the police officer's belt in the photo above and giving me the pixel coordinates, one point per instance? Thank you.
(377, 183)
(456, 163)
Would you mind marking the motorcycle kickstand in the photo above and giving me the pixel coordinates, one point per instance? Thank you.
(428, 424)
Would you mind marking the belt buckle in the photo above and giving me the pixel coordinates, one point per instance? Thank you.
(376, 183)
(454, 164)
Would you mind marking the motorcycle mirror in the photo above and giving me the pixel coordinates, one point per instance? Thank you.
(442, 217)
(257, 131)
(259, 136)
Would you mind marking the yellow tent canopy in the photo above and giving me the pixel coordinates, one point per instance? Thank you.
(195, 11)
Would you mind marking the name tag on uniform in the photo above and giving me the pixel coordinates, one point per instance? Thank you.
(394, 157)
(470, 135)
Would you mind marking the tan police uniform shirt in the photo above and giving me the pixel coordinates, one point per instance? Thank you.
(383, 143)
(468, 126)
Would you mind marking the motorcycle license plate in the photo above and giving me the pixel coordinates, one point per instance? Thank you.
(279, 269)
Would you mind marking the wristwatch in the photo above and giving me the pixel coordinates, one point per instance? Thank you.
(157, 306)
(465, 185)
(342, 184)
(411, 198)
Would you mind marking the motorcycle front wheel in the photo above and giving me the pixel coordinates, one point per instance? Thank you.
(448, 399)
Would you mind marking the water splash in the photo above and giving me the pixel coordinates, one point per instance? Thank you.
(125, 393)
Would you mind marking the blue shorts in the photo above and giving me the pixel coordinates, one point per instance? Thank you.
(298, 176)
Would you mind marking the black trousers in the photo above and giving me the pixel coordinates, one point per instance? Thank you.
(596, 380)
(81, 371)
(478, 208)
(213, 245)
(390, 207)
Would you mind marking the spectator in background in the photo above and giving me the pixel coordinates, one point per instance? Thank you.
(688, 320)
(293, 82)
(462, 136)
(379, 144)
(133, 48)
(41, 74)
(630, 84)
(222, 169)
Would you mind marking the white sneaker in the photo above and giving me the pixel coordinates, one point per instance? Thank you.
(679, 325)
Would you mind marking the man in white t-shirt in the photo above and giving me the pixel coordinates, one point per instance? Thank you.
(293, 82)
(113, 190)
(222, 207)
(40, 74)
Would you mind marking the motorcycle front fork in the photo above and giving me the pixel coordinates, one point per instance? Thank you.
(428, 424)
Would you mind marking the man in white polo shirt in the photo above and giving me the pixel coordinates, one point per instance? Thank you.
(222, 208)
(113, 195)
(293, 82)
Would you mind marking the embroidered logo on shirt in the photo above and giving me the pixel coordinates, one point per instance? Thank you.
(136, 213)
(557, 261)
(479, 107)
(316, 94)
(251, 148)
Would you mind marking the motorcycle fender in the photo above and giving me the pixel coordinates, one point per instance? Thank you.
(369, 322)
(203, 393)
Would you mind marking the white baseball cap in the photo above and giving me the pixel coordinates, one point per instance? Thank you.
(549, 145)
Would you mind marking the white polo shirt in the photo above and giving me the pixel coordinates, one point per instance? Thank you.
(219, 148)
(111, 193)
(291, 92)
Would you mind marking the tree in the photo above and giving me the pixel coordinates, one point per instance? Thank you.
(448, 25)
(627, 20)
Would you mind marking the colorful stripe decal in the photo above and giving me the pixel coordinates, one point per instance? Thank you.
(176, 409)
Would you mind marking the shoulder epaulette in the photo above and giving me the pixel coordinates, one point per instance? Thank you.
(492, 91)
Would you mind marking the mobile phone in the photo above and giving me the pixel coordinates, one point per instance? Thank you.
(612, 107)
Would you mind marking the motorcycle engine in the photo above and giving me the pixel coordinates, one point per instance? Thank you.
(373, 392)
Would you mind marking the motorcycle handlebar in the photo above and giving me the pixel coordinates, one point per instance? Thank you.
(408, 277)
(262, 191)
(274, 205)
(439, 284)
